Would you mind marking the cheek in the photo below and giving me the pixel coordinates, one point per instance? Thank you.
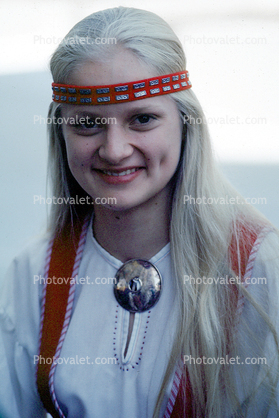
(79, 164)
(78, 153)
(172, 149)
(176, 142)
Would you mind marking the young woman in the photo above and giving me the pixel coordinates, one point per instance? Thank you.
(154, 293)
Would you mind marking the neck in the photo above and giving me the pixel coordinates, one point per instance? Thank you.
(135, 233)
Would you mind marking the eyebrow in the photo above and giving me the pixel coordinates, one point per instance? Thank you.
(145, 108)
(129, 111)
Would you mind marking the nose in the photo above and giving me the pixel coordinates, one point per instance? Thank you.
(116, 146)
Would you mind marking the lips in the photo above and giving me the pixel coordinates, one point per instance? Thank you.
(119, 175)
(122, 173)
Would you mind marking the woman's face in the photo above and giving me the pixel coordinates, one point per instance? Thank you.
(133, 154)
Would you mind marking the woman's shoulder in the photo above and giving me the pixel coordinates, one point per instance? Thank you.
(19, 329)
(32, 254)
(25, 269)
(262, 274)
(264, 256)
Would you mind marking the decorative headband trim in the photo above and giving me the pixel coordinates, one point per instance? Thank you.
(119, 93)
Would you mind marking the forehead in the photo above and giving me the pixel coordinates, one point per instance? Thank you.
(122, 66)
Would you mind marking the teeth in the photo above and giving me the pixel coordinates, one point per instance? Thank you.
(123, 173)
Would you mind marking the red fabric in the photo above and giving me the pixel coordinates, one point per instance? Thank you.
(246, 242)
(61, 265)
(183, 403)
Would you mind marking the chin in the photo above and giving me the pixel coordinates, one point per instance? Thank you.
(122, 206)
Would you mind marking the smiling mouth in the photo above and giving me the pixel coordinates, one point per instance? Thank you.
(119, 174)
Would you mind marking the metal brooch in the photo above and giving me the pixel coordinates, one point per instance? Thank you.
(137, 285)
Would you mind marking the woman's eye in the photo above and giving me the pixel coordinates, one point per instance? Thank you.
(143, 119)
(87, 123)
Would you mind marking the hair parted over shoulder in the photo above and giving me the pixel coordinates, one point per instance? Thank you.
(200, 234)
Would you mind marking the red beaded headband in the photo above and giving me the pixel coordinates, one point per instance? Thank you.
(119, 93)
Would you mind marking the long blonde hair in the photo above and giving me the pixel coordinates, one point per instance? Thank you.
(201, 234)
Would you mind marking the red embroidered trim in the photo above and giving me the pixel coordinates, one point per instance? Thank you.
(250, 266)
(122, 92)
(56, 309)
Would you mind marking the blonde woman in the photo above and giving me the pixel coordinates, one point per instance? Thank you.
(154, 291)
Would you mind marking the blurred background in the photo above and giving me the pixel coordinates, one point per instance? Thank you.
(232, 56)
